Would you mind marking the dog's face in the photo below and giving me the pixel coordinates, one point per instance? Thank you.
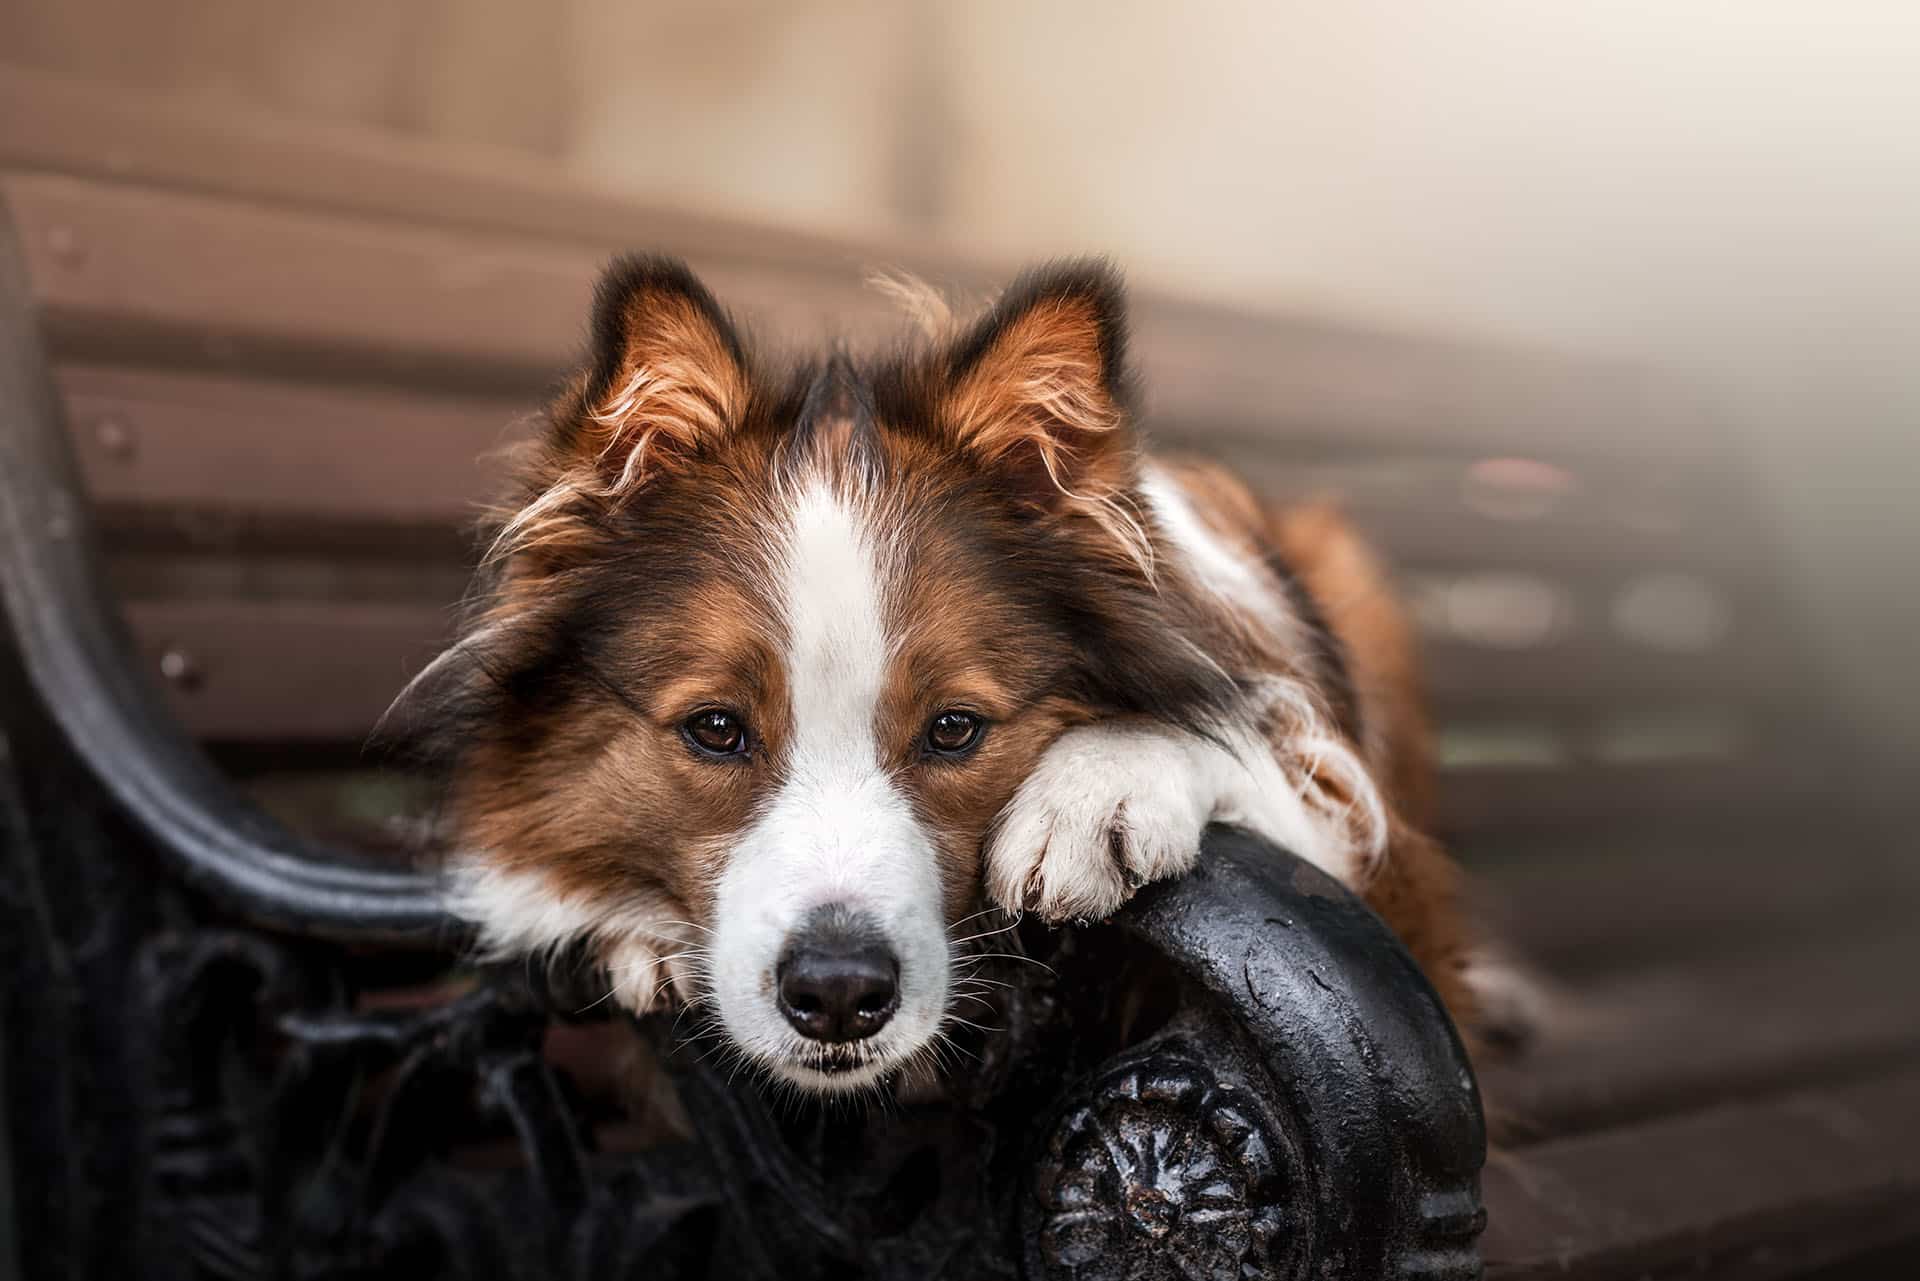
(763, 658)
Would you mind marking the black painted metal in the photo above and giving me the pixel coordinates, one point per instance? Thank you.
(1247, 1076)
(1337, 1027)
(76, 649)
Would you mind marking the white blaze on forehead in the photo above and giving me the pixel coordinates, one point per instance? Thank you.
(838, 829)
(837, 645)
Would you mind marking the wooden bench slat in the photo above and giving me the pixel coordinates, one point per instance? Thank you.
(168, 439)
(107, 261)
(305, 671)
(1513, 801)
(246, 642)
(1584, 908)
(222, 283)
(1441, 509)
(270, 671)
(113, 265)
(1665, 1037)
(137, 137)
(192, 439)
(1749, 1192)
(1587, 667)
(1209, 365)
(1554, 688)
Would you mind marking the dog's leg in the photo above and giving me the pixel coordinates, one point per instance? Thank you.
(1114, 805)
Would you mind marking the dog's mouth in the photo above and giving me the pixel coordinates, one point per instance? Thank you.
(827, 1068)
(835, 1068)
(832, 1064)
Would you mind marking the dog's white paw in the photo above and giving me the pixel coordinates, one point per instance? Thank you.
(1109, 808)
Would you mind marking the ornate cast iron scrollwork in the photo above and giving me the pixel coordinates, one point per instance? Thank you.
(1161, 1171)
(294, 1137)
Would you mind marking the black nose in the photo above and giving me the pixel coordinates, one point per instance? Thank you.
(838, 979)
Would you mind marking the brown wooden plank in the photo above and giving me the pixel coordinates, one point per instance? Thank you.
(252, 636)
(1565, 694)
(222, 444)
(1901, 1259)
(217, 442)
(1651, 1039)
(312, 669)
(1583, 907)
(1749, 1192)
(167, 439)
(1518, 512)
(425, 580)
(274, 671)
(294, 450)
(183, 144)
(111, 259)
(266, 546)
(240, 282)
(111, 264)
(1342, 391)
(1207, 364)
(1588, 667)
(1716, 794)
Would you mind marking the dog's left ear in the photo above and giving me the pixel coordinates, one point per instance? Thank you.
(1041, 386)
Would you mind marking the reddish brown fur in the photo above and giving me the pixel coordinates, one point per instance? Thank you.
(1415, 886)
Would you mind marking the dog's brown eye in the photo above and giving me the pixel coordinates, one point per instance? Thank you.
(716, 733)
(951, 733)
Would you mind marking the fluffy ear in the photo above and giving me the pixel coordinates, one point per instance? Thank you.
(667, 372)
(1041, 382)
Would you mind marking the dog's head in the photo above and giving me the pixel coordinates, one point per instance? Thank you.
(761, 655)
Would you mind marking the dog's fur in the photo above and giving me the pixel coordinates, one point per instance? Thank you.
(837, 552)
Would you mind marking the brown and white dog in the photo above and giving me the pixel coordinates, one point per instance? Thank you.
(778, 675)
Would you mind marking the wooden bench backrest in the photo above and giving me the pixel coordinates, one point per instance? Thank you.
(287, 364)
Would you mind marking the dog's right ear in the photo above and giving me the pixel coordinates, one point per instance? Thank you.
(667, 373)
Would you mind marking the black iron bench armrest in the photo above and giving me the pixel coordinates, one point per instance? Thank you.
(1311, 1108)
(75, 650)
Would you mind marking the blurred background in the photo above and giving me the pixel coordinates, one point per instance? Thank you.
(1730, 193)
(1601, 318)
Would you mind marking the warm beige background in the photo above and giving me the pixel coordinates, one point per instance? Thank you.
(1730, 187)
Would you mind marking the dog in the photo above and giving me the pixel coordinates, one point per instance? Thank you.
(778, 675)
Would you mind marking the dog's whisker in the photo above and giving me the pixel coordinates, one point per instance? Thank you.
(978, 1027)
(689, 925)
(1013, 956)
(989, 911)
(649, 964)
(943, 1042)
(981, 978)
(986, 934)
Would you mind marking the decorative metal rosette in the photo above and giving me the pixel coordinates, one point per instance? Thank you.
(1161, 1171)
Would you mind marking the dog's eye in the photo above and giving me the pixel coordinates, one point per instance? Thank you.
(716, 732)
(951, 733)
